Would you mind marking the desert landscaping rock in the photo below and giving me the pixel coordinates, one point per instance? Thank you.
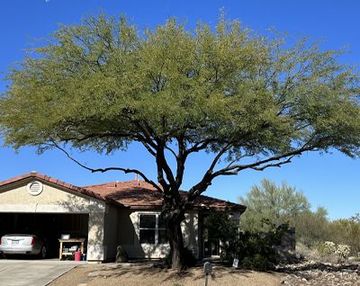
(318, 274)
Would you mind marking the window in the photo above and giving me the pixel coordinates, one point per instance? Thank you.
(152, 229)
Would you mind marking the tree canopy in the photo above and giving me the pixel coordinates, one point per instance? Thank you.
(252, 101)
(103, 84)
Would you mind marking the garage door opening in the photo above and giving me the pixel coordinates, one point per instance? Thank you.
(48, 226)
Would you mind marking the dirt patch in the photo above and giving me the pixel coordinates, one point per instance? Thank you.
(76, 276)
(145, 275)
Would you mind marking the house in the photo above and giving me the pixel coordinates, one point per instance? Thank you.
(106, 215)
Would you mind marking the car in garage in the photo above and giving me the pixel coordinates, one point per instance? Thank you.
(28, 244)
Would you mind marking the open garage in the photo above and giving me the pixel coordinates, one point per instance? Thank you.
(59, 212)
(48, 226)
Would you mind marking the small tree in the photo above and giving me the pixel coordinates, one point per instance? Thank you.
(312, 227)
(251, 102)
(346, 231)
(271, 203)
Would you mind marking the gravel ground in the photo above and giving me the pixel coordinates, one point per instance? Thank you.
(321, 274)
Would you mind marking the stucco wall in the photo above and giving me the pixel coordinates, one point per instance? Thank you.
(51, 199)
(190, 228)
(111, 232)
(56, 200)
(129, 231)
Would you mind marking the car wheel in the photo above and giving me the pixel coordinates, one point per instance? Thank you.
(43, 252)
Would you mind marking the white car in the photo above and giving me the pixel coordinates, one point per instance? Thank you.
(23, 244)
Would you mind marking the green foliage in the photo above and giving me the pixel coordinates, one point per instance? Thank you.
(312, 227)
(271, 203)
(221, 227)
(346, 231)
(254, 101)
(257, 250)
(257, 262)
(103, 84)
(254, 250)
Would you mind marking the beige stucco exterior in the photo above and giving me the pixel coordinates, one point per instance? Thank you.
(129, 231)
(17, 199)
(108, 225)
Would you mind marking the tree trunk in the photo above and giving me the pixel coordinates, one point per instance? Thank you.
(176, 239)
(176, 246)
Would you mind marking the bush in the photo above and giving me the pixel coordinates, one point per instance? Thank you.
(257, 262)
(329, 251)
(343, 251)
(327, 248)
(346, 231)
(258, 250)
(254, 250)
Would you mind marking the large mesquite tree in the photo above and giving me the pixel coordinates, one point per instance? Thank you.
(249, 101)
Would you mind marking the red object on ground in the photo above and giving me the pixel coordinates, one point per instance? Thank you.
(77, 255)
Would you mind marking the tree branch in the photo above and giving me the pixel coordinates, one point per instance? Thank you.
(180, 161)
(199, 146)
(163, 166)
(197, 189)
(260, 165)
(234, 169)
(171, 150)
(103, 170)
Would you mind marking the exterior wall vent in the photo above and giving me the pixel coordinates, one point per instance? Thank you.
(34, 188)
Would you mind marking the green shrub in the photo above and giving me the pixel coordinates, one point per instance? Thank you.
(257, 262)
(257, 250)
(254, 250)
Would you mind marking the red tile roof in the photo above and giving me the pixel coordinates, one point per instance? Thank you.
(134, 194)
(138, 194)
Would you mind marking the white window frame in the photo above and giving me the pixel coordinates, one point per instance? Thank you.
(156, 229)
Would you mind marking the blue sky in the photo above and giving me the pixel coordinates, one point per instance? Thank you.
(330, 180)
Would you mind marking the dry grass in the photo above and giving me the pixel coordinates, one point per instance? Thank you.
(145, 275)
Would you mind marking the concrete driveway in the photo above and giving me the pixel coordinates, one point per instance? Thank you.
(32, 272)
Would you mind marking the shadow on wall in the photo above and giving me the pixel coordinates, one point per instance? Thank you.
(190, 233)
(134, 247)
(110, 226)
(96, 210)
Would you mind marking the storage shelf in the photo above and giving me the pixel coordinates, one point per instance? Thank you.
(79, 241)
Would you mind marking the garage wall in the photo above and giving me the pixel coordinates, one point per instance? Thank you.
(17, 199)
(96, 251)
(51, 199)
(111, 232)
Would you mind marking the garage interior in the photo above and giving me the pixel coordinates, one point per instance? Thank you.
(49, 226)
